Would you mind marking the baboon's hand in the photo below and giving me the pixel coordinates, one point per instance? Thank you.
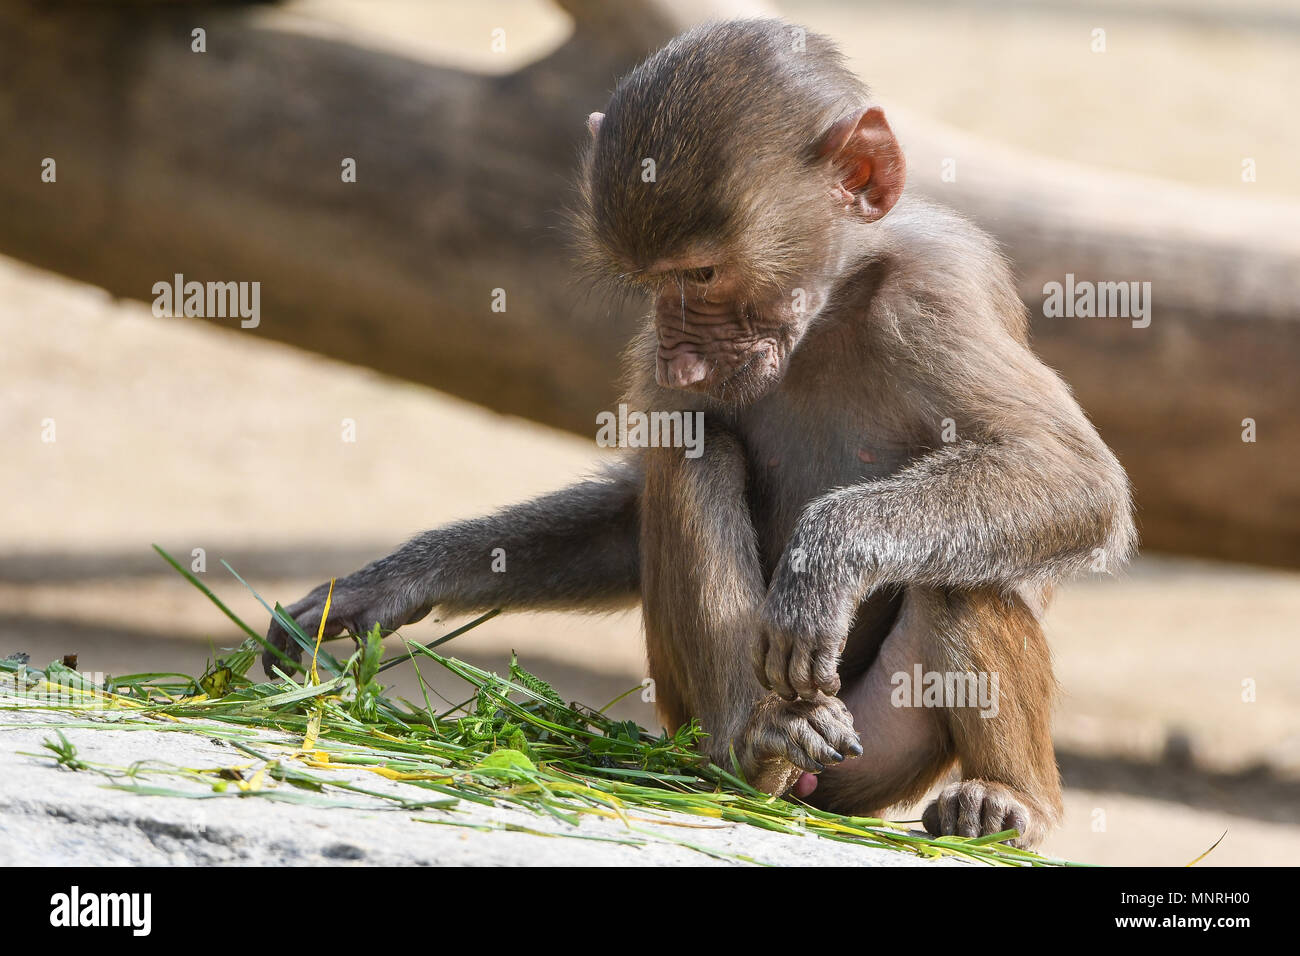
(797, 653)
(356, 606)
(785, 739)
(806, 615)
(974, 808)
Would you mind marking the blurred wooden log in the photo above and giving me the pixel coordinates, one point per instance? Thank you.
(225, 166)
(1223, 344)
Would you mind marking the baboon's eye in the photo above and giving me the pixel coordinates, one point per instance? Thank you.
(699, 275)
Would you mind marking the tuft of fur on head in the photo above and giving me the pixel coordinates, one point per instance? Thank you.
(731, 114)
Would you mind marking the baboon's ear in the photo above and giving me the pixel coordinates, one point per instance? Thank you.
(593, 123)
(867, 160)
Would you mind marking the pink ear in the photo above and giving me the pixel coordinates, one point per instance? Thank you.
(593, 123)
(869, 161)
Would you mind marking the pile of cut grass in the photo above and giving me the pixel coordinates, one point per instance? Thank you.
(512, 742)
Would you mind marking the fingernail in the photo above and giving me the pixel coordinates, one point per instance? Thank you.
(837, 756)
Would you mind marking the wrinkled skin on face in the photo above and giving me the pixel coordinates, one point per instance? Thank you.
(719, 341)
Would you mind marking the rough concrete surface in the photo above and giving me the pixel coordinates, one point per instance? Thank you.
(54, 816)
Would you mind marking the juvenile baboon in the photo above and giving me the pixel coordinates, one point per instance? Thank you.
(890, 480)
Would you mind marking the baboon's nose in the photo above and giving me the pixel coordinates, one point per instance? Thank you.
(682, 370)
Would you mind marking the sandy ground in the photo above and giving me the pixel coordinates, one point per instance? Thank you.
(177, 433)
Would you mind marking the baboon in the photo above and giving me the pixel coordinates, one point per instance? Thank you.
(890, 480)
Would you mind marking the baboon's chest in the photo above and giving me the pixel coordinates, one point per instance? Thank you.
(794, 458)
